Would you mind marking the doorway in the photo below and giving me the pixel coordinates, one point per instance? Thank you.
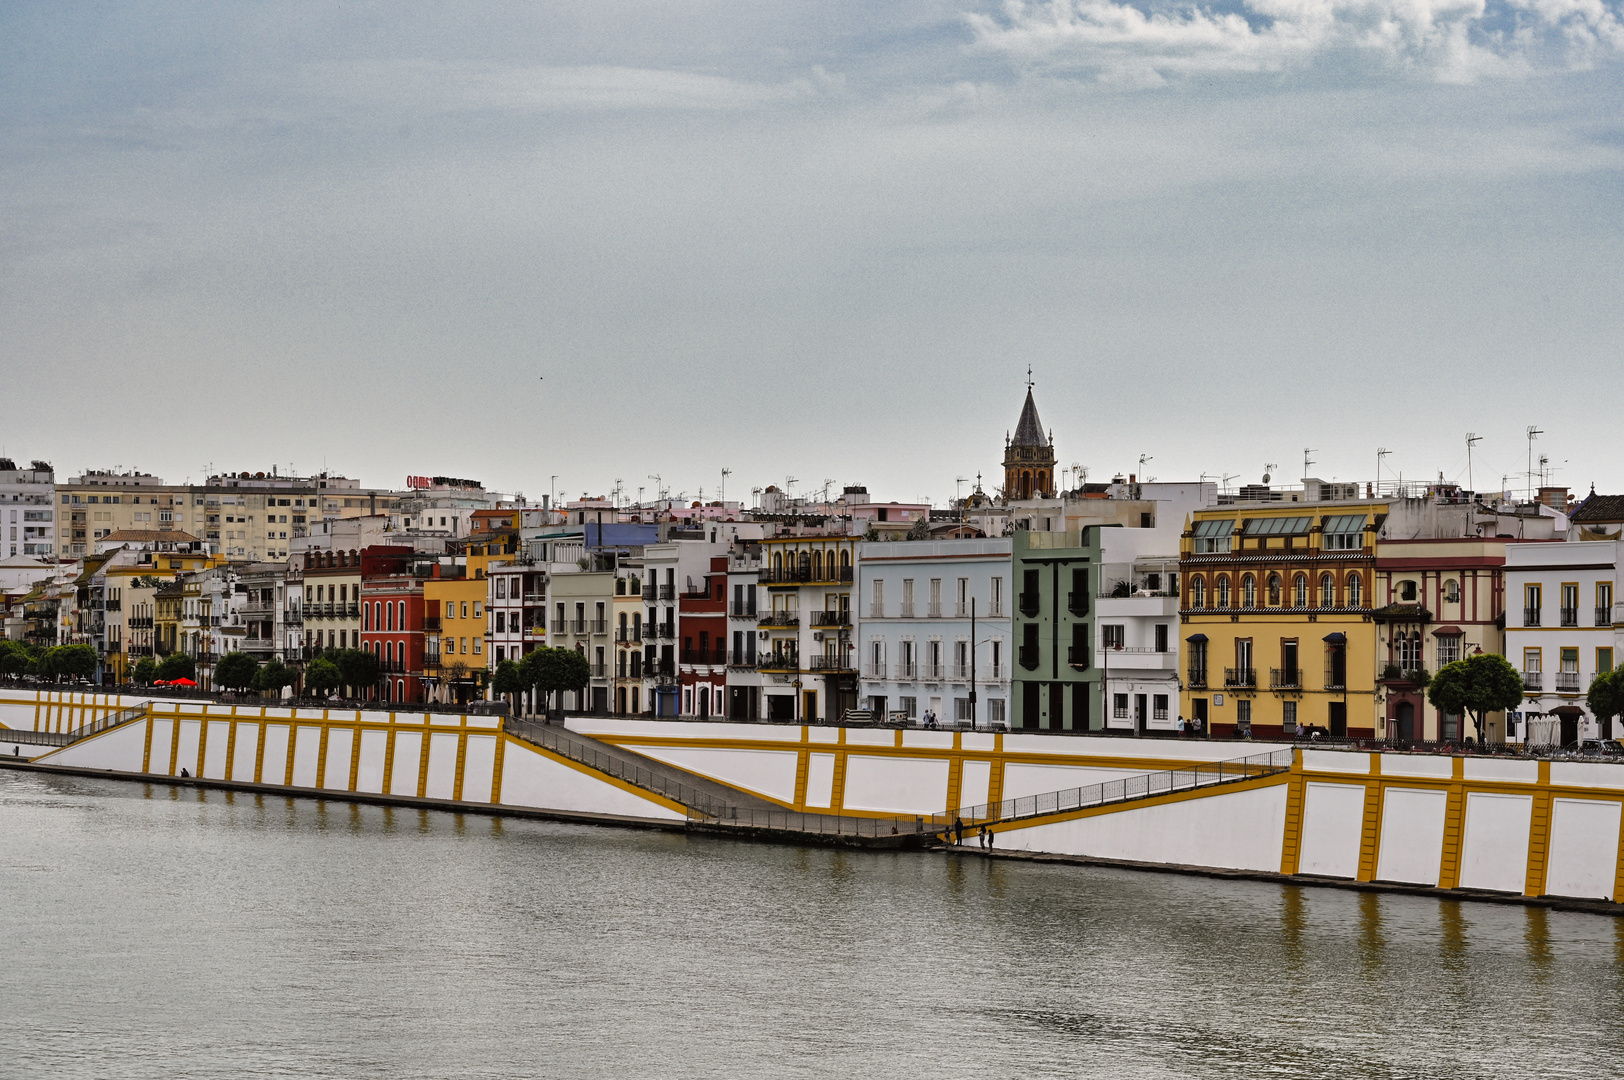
(810, 712)
(780, 707)
(1139, 716)
(1404, 718)
(1339, 719)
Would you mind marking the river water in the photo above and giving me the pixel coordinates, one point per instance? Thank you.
(150, 931)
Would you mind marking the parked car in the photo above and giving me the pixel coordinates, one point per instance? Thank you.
(1596, 748)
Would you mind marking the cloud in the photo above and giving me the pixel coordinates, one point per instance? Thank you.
(1448, 40)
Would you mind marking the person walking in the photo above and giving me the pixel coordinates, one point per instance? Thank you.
(958, 832)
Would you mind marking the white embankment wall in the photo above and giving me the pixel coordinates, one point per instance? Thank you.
(450, 758)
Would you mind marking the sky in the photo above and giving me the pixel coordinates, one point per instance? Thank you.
(555, 246)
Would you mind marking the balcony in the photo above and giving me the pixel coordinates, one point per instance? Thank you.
(1029, 604)
(431, 658)
(665, 592)
(1533, 681)
(353, 611)
(1196, 677)
(577, 626)
(1029, 657)
(874, 671)
(1077, 656)
(558, 626)
(600, 626)
(830, 618)
(904, 672)
(293, 615)
(667, 630)
(932, 672)
(960, 673)
(778, 662)
(743, 611)
(1604, 615)
(1285, 678)
(431, 622)
(717, 656)
(600, 671)
(1567, 682)
(1240, 676)
(629, 634)
(1077, 603)
(830, 664)
(1570, 616)
(779, 618)
(742, 661)
(1335, 680)
(1530, 616)
(796, 576)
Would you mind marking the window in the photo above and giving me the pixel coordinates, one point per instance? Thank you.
(1277, 526)
(1531, 661)
(1448, 650)
(907, 598)
(477, 643)
(501, 588)
(910, 706)
(1604, 660)
(996, 603)
(1223, 592)
(1112, 637)
(1248, 591)
(1604, 604)
(1327, 591)
(1345, 532)
(1198, 593)
(1408, 649)
(1158, 707)
(1119, 706)
(1213, 537)
(1355, 590)
(1532, 603)
(1451, 591)
(465, 609)
(1288, 717)
(1299, 591)
(477, 606)
(961, 599)
(936, 598)
(1406, 591)
(1161, 637)
(995, 711)
(876, 607)
(1570, 605)
(1243, 714)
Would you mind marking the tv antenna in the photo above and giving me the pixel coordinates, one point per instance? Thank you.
(1533, 433)
(1471, 441)
(721, 492)
(1308, 462)
(1381, 452)
(1268, 469)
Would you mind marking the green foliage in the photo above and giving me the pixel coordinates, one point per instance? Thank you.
(554, 670)
(509, 680)
(920, 529)
(236, 671)
(177, 666)
(1606, 696)
(1419, 677)
(146, 669)
(358, 668)
(1476, 687)
(322, 676)
(18, 658)
(271, 678)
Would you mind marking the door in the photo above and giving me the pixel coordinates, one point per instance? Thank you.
(810, 712)
(1139, 713)
(1199, 707)
(1570, 729)
(1339, 719)
(1405, 719)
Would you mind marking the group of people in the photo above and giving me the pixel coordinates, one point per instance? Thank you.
(984, 836)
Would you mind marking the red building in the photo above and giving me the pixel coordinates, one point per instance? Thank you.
(392, 620)
(702, 664)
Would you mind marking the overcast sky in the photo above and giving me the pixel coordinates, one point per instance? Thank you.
(813, 239)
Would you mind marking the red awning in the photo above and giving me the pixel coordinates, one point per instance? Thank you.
(1449, 631)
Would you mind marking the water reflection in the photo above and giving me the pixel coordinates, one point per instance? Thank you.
(1371, 942)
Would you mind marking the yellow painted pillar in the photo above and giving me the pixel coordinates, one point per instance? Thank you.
(462, 757)
(1291, 844)
(1371, 834)
(1539, 834)
(496, 767)
(1454, 828)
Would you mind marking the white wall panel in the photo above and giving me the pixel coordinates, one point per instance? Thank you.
(369, 774)
(1587, 774)
(1494, 841)
(895, 785)
(478, 768)
(214, 749)
(408, 758)
(820, 780)
(1428, 765)
(163, 740)
(1339, 761)
(442, 778)
(1240, 830)
(973, 783)
(121, 748)
(1412, 842)
(306, 753)
(1333, 827)
(1498, 771)
(767, 772)
(335, 771)
(1022, 779)
(191, 733)
(1583, 853)
(530, 778)
(274, 761)
(245, 752)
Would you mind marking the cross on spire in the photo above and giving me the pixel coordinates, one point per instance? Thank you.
(1029, 376)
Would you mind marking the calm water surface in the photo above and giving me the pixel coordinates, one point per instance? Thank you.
(154, 932)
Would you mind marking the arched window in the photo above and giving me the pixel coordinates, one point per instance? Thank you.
(1355, 589)
(1223, 592)
(1327, 591)
(1299, 588)
(1274, 590)
(1452, 591)
(806, 565)
(1198, 593)
(366, 616)
(389, 614)
(400, 689)
(1248, 591)
(389, 652)
(778, 563)
(845, 563)
(402, 606)
(817, 566)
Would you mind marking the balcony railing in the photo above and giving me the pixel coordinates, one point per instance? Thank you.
(779, 618)
(1285, 678)
(629, 633)
(831, 618)
(1604, 615)
(1077, 656)
(1570, 616)
(831, 664)
(1567, 682)
(431, 622)
(874, 671)
(743, 611)
(558, 626)
(1335, 680)
(1240, 676)
(1533, 680)
(600, 626)
(666, 592)
(778, 662)
(798, 576)
(705, 656)
(1196, 677)
(1077, 603)
(1530, 616)
(1029, 604)
(742, 661)
(577, 626)
(1029, 657)
(600, 671)
(932, 672)
(904, 672)
(667, 630)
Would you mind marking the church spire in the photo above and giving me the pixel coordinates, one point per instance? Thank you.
(1029, 457)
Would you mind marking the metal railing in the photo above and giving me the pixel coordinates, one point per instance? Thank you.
(1570, 616)
(63, 738)
(1196, 677)
(778, 618)
(1240, 676)
(1143, 786)
(1533, 680)
(833, 663)
(1567, 682)
(1285, 677)
(1530, 616)
(831, 618)
(1604, 615)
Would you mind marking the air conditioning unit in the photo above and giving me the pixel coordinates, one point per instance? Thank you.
(765, 635)
(817, 635)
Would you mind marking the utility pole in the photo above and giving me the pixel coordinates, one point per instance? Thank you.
(972, 663)
(1533, 433)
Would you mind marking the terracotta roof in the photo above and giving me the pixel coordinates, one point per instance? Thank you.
(1029, 431)
(1600, 508)
(150, 536)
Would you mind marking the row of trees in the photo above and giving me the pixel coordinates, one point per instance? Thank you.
(547, 672)
(57, 662)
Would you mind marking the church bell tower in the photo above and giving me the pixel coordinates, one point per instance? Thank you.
(1029, 455)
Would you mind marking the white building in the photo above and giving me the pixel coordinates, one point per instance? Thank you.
(919, 648)
(27, 503)
(1137, 610)
(1560, 616)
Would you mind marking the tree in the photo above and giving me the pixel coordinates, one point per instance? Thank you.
(177, 666)
(15, 659)
(322, 676)
(146, 669)
(920, 529)
(554, 670)
(74, 661)
(236, 671)
(1606, 697)
(509, 682)
(1477, 686)
(358, 668)
(273, 677)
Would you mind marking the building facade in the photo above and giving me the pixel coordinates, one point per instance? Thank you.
(1562, 607)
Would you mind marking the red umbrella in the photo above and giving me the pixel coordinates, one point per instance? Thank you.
(183, 682)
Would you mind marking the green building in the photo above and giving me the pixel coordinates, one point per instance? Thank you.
(1055, 688)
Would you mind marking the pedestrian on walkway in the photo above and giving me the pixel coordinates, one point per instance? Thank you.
(982, 838)
(958, 831)
(989, 839)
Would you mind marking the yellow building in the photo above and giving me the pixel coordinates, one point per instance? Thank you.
(454, 629)
(1276, 617)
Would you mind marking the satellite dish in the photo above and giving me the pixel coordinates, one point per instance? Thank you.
(1265, 478)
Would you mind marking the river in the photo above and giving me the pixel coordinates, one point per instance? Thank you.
(152, 931)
